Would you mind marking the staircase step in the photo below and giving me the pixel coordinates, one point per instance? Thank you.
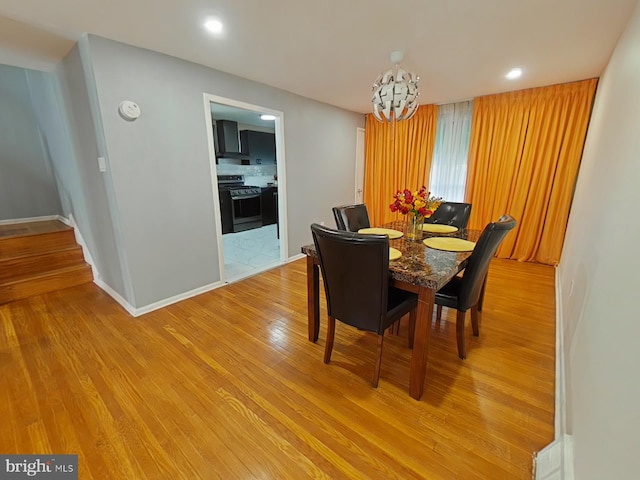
(46, 282)
(18, 268)
(36, 244)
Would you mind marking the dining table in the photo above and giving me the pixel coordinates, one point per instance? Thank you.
(420, 269)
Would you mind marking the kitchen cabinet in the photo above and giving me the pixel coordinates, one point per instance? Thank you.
(260, 146)
(269, 205)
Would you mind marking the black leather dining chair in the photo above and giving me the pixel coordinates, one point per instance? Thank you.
(465, 292)
(351, 217)
(355, 272)
(451, 213)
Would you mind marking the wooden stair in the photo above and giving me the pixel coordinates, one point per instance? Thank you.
(39, 257)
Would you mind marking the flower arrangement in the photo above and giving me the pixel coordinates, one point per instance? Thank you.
(419, 202)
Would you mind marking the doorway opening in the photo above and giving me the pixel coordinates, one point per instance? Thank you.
(246, 154)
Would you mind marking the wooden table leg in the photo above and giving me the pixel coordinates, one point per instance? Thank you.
(426, 298)
(313, 299)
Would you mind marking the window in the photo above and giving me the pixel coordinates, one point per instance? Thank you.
(450, 154)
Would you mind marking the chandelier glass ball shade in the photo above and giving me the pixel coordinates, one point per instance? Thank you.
(395, 93)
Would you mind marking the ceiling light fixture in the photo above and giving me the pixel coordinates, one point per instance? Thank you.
(266, 116)
(213, 25)
(514, 73)
(395, 93)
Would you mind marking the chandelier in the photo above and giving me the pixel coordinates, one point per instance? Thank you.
(395, 93)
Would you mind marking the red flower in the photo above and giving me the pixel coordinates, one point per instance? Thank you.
(420, 202)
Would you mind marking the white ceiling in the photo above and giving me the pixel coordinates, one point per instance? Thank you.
(332, 50)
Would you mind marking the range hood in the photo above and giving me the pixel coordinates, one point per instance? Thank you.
(228, 141)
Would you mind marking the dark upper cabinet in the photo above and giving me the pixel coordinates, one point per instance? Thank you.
(260, 146)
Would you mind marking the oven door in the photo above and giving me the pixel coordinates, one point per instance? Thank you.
(247, 212)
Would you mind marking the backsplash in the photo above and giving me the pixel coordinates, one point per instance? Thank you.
(257, 175)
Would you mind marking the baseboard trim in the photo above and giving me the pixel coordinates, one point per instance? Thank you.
(560, 393)
(177, 298)
(295, 257)
(64, 220)
(555, 461)
(31, 219)
(115, 295)
(71, 222)
(97, 279)
(192, 293)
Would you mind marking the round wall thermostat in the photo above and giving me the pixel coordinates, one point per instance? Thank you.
(129, 110)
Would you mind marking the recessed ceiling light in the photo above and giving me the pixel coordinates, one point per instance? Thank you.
(267, 117)
(514, 73)
(213, 25)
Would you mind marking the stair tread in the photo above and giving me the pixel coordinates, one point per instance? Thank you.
(41, 253)
(36, 244)
(64, 278)
(13, 230)
(38, 258)
(28, 267)
(48, 273)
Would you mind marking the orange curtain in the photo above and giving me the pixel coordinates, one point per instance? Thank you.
(397, 156)
(524, 156)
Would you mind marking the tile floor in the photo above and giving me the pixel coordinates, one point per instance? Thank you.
(250, 252)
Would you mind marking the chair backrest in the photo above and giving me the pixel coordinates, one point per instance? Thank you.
(478, 264)
(355, 273)
(351, 217)
(451, 213)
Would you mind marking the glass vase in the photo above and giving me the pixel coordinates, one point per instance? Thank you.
(414, 226)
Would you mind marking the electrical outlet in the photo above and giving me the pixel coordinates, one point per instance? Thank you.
(102, 164)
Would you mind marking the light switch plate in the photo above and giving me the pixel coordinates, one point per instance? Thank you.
(102, 164)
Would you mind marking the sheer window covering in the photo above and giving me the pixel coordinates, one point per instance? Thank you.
(451, 152)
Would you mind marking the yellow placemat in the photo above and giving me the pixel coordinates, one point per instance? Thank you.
(449, 244)
(394, 253)
(438, 228)
(382, 231)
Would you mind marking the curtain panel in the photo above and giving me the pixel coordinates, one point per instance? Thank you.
(397, 156)
(451, 151)
(524, 155)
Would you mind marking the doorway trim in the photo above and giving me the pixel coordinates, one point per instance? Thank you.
(208, 98)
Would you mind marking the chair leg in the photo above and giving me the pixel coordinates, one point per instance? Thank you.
(481, 300)
(462, 352)
(394, 328)
(438, 312)
(331, 331)
(376, 372)
(475, 320)
(413, 315)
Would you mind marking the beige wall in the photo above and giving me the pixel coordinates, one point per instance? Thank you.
(598, 278)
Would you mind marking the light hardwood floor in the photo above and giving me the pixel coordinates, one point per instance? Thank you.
(226, 385)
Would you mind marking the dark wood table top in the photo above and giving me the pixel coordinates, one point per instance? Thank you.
(420, 265)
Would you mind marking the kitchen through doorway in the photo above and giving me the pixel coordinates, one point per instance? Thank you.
(247, 165)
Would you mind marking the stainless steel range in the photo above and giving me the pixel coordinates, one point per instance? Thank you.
(240, 204)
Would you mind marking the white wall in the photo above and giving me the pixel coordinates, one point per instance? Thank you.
(65, 121)
(598, 276)
(160, 171)
(27, 185)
